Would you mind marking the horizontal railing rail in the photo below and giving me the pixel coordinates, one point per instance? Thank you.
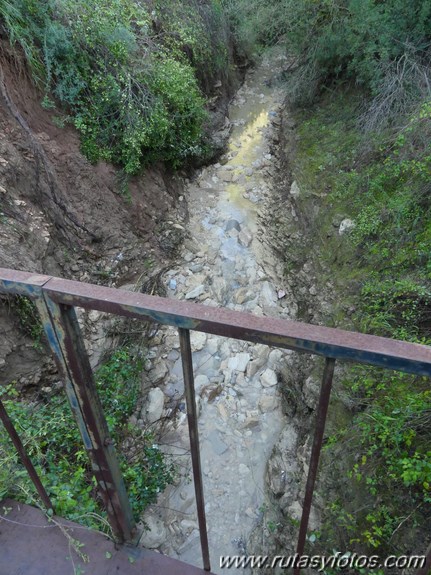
(56, 299)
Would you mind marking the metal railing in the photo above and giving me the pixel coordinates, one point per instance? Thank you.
(55, 300)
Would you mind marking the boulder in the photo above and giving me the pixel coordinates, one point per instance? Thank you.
(268, 378)
(294, 189)
(346, 227)
(155, 533)
(197, 340)
(267, 403)
(232, 224)
(196, 292)
(239, 362)
(154, 407)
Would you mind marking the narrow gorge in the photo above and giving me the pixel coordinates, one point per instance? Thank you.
(268, 158)
(224, 262)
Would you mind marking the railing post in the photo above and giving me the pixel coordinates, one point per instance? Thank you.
(25, 459)
(189, 386)
(65, 339)
(426, 569)
(322, 410)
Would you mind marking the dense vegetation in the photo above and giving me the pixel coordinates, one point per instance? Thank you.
(382, 185)
(128, 74)
(359, 88)
(52, 440)
(380, 46)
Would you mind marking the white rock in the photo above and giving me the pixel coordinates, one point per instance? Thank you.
(311, 392)
(251, 422)
(254, 366)
(223, 411)
(243, 294)
(245, 238)
(189, 525)
(155, 535)
(197, 340)
(267, 297)
(243, 469)
(158, 373)
(154, 408)
(268, 378)
(274, 358)
(294, 189)
(267, 403)
(239, 362)
(260, 351)
(200, 382)
(295, 511)
(94, 315)
(346, 226)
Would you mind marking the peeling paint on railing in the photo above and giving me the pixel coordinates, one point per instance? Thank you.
(56, 298)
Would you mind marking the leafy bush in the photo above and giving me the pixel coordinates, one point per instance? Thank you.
(53, 442)
(28, 318)
(379, 45)
(391, 441)
(127, 77)
(382, 271)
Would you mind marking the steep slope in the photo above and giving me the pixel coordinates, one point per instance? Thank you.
(62, 215)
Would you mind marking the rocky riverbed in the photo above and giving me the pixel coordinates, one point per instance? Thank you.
(224, 262)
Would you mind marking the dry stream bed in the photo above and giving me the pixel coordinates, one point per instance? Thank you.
(224, 263)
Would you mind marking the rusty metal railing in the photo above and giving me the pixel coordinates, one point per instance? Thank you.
(56, 299)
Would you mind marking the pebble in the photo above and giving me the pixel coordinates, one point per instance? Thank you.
(155, 533)
(267, 403)
(243, 469)
(154, 408)
(239, 362)
(195, 293)
(218, 446)
(268, 378)
(232, 224)
(245, 238)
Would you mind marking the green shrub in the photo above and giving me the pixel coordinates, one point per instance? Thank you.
(381, 269)
(28, 318)
(379, 45)
(52, 440)
(126, 72)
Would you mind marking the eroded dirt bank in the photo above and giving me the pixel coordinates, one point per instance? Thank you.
(61, 215)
